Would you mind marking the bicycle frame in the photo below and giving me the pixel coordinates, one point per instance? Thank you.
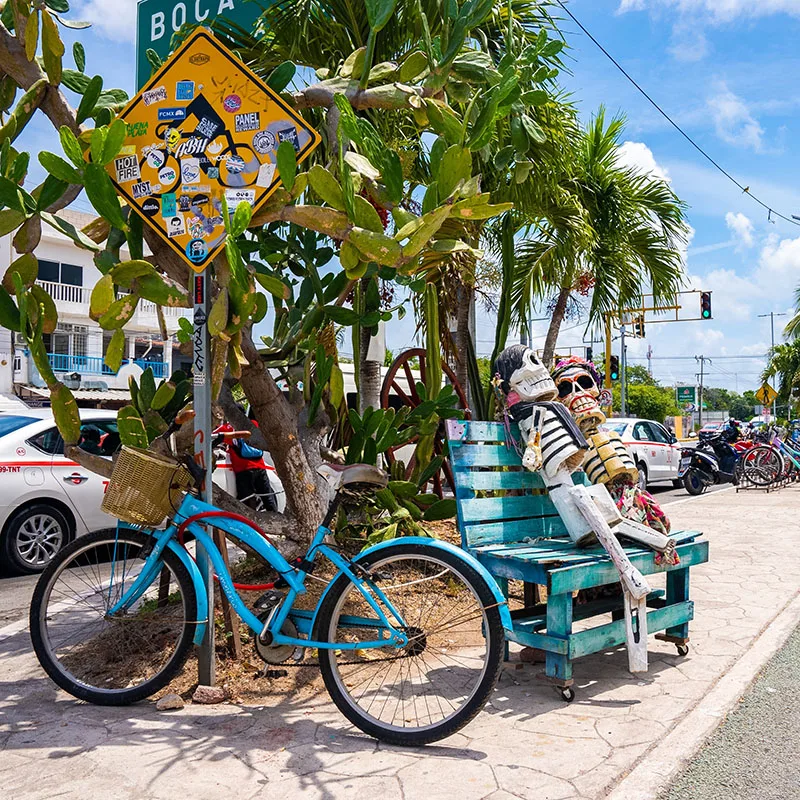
(294, 578)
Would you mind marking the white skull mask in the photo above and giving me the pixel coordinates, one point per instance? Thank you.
(531, 380)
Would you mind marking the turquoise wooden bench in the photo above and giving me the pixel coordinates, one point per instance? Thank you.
(508, 522)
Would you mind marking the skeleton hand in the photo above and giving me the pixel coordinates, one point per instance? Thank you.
(532, 458)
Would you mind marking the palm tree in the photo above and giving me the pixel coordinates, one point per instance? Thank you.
(792, 329)
(784, 360)
(620, 231)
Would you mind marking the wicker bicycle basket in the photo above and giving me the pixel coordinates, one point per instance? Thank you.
(144, 487)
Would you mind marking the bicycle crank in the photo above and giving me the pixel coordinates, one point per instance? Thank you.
(277, 653)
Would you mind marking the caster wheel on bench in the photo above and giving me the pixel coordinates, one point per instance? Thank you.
(683, 649)
(568, 694)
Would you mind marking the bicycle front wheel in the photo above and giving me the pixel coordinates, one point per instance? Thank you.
(103, 658)
(443, 677)
(762, 465)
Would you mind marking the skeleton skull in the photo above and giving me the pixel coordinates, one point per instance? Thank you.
(524, 375)
(576, 382)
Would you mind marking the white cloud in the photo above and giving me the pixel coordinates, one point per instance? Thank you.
(716, 11)
(639, 156)
(119, 25)
(733, 120)
(689, 42)
(780, 263)
(741, 227)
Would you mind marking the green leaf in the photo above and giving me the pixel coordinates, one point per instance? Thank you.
(10, 220)
(147, 390)
(444, 509)
(102, 297)
(275, 286)
(51, 191)
(287, 164)
(103, 196)
(52, 48)
(326, 186)
(90, 96)
(366, 216)
(242, 216)
(9, 313)
(456, 166)
(124, 273)
(71, 145)
(75, 81)
(115, 351)
(62, 6)
(32, 35)
(403, 488)
(119, 313)
(26, 266)
(379, 12)
(117, 134)
(59, 168)
(414, 65)
(341, 316)
(79, 54)
(281, 76)
(68, 229)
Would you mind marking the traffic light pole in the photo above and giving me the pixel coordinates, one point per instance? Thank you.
(623, 369)
(772, 316)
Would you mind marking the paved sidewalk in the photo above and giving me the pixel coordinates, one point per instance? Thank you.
(528, 743)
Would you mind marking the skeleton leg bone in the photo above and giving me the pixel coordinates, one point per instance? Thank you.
(635, 587)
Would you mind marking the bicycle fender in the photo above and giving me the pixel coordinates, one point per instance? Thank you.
(467, 558)
(199, 590)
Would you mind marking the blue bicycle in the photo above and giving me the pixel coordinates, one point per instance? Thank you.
(409, 633)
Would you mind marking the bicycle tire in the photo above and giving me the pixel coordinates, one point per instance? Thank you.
(39, 619)
(491, 629)
(763, 465)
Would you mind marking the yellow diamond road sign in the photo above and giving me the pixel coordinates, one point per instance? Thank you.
(205, 127)
(766, 394)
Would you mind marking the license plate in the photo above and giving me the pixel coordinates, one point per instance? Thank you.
(684, 467)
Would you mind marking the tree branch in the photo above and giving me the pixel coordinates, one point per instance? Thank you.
(391, 96)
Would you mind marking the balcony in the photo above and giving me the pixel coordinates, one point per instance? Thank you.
(93, 365)
(75, 299)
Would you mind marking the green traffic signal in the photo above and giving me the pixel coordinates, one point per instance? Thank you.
(614, 368)
(705, 305)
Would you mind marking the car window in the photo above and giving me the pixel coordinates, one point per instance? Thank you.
(99, 437)
(10, 423)
(641, 431)
(615, 427)
(48, 441)
(658, 433)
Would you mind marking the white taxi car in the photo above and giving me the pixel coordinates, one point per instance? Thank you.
(45, 498)
(654, 449)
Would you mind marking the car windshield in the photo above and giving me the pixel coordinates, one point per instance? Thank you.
(615, 427)
(9, 424)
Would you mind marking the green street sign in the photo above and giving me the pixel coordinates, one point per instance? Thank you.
(686, 394)
(158, 20)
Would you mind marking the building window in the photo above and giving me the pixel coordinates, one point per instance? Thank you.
(54, 272)
(49, 271)
(72, 275)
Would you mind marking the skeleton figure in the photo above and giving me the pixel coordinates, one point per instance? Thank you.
(608, 460)
(556, 447)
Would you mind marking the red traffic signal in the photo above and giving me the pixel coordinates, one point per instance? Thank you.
(705, 305)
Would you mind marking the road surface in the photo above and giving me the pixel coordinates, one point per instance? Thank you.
(754, 754)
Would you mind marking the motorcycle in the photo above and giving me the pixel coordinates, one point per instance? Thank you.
(711, 462)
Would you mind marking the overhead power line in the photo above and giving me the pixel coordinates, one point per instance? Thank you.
(745, 189)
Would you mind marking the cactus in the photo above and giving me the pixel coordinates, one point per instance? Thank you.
(23, 111)
(153, 407)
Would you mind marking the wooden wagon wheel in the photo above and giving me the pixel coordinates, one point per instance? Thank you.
(406, 392)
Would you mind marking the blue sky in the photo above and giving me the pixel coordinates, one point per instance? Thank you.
(726, 71)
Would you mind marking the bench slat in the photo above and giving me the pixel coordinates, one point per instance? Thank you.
(487, 509)
(493, 480)
(481, 432)
(513, 530)
(483, 455)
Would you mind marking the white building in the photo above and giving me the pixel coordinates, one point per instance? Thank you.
(76, 348)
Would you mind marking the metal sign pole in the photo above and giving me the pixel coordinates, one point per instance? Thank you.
(201, 379)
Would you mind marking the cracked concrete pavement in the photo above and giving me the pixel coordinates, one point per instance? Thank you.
(527, 742)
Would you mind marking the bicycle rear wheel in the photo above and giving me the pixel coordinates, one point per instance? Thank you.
(104, 659)
(443, 677)
(762, 465)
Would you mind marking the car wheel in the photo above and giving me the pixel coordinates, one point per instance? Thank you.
(642, 482)
(33, 537)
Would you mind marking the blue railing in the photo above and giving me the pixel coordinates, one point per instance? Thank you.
(93, 365)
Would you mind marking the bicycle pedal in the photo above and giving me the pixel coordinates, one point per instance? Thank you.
(268, 600)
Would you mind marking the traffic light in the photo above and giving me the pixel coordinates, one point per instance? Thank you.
(589, 354)
(638, 326)
(614, 368)
(705, 305)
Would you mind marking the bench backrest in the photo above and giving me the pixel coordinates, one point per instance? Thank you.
(498, 500)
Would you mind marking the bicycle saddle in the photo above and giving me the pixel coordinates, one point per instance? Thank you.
(354, 476)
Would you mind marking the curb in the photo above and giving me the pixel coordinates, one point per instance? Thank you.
(657, 768)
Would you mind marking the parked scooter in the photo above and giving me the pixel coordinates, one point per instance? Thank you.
(712, 461)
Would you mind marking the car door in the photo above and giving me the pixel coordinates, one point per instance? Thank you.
(647, 451)
(84, 489)
(670, 450)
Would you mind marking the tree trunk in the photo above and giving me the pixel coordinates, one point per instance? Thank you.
(466, 297)
(369, 383)
(279, 425)
(555, 326)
